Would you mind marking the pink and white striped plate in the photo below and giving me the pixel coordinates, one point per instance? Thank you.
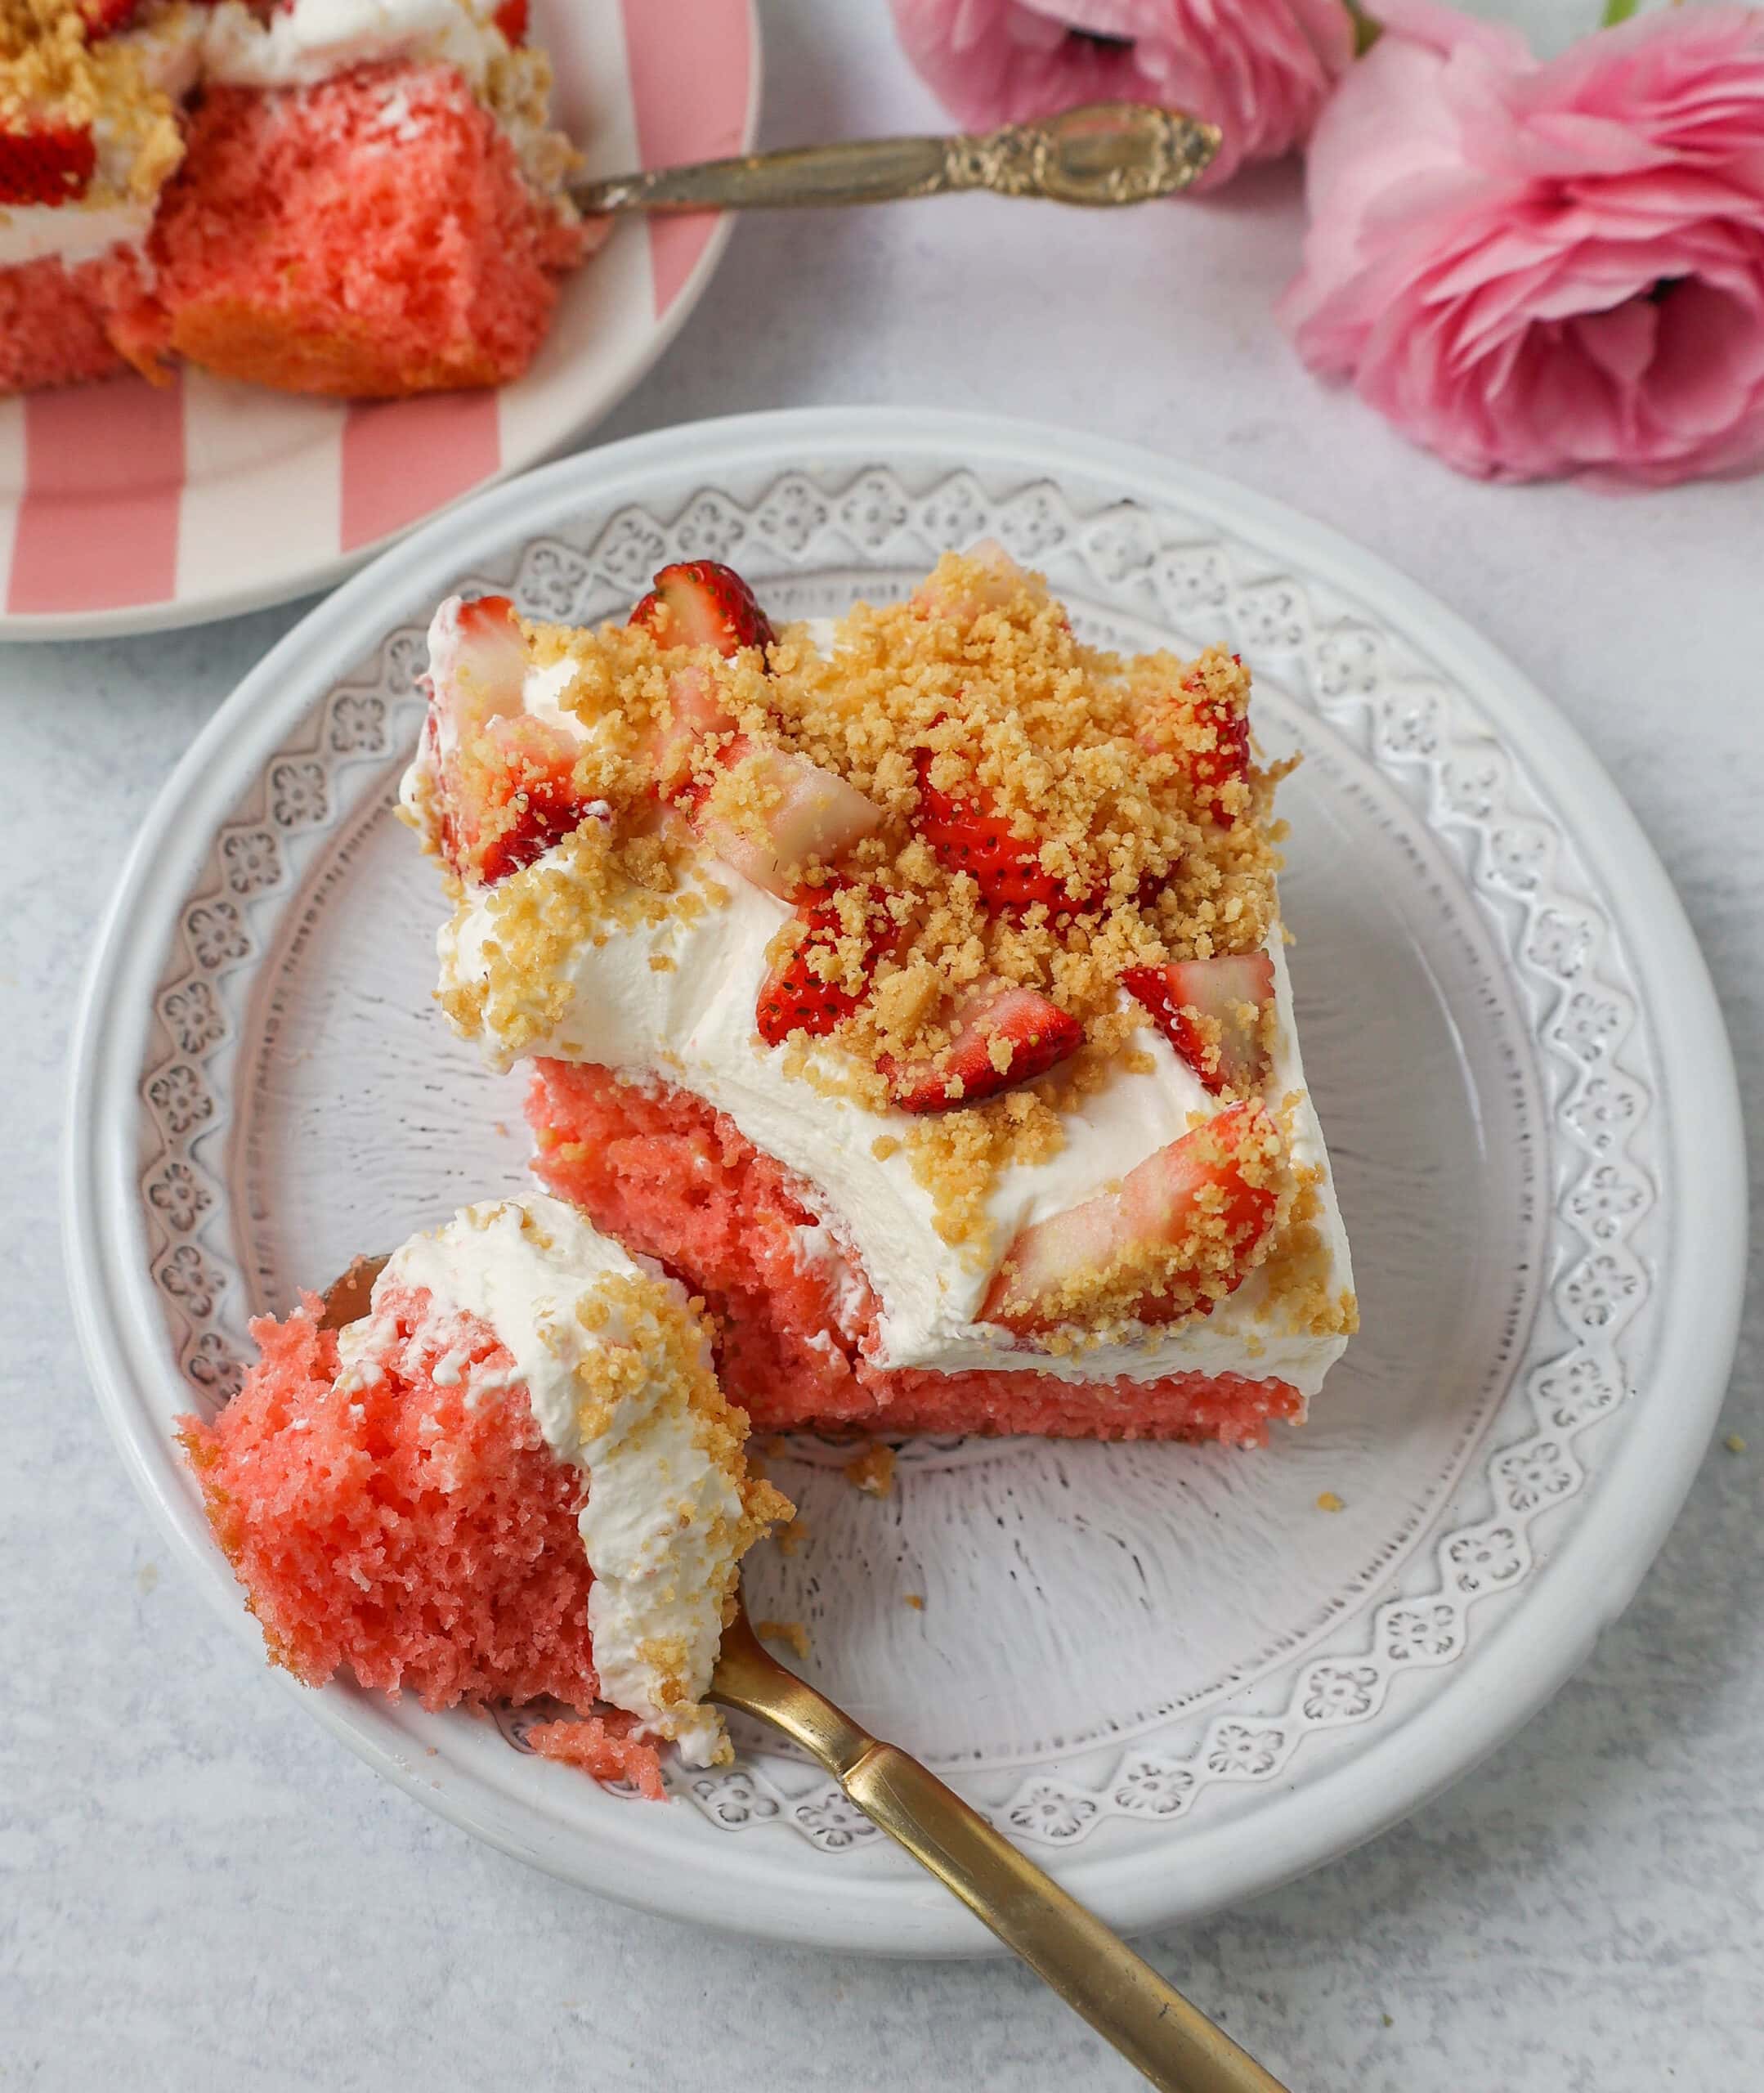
(126, 509)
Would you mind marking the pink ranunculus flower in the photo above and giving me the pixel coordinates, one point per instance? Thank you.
(1261, 70)
(1538, 270)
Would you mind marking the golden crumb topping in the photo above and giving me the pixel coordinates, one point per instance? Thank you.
(792, 1633)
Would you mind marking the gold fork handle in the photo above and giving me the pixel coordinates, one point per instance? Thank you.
(1119, 152)
(1125, 1999)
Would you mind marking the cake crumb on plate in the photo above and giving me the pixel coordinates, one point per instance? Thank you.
(872, 1471)
(792, 1632)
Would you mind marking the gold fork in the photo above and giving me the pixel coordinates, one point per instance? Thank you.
(1172, 2042)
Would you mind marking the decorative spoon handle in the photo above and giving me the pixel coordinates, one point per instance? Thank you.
(1106, 152)
(1172, 2042)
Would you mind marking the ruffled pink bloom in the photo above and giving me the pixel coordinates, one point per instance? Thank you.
(1536, 270)
(1261, 70)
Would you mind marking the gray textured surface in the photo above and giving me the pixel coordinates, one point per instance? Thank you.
(199, 1889)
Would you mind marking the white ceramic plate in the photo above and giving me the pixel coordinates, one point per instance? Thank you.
(1166, 1670)
(208, 498)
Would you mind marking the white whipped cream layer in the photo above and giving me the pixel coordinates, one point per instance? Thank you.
(691, 1023)
(301, 45)
(73, 232)
(692, 1026)
(661, 1524)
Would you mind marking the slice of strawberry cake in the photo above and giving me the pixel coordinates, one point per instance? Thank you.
(516, 1477)
(914, 988)
(362, 198)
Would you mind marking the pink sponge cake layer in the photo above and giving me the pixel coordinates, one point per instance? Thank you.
(371, 237)
(394, 1530)
(52, 327)
(658, 1169)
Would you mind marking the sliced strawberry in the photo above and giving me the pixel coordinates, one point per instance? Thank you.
(1210, 1198)
(695, 711)
(1038, 1034)
(477, 665)
(803, 812)
(1225, 757)
(966, 836)
(511, 18)
(508, 795)
(942, 595)
(794, 995)
(1229, 758)
(502, 781)
(105, 17)
(534, 802)
(701, 602)
(1211, 1011)
(482, 617)
(52, 164)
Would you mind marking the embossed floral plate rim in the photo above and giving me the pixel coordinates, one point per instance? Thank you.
(1574, 1588)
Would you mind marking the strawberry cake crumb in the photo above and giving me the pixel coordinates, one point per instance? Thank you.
(51, 328)
(512, 1477)
(872, 1471)
(603, 1746)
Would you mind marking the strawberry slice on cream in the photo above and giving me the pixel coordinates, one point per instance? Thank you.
(702, 603)
(1185, 1228)
(502, 781)
(1002, 1037)
(772, 814)
(1213, 1012)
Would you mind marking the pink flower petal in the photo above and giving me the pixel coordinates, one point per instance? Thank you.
(1261, 69)
(1536, 269)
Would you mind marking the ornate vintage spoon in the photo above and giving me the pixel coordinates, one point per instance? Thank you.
(1106, 152)
(1171, 2041)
